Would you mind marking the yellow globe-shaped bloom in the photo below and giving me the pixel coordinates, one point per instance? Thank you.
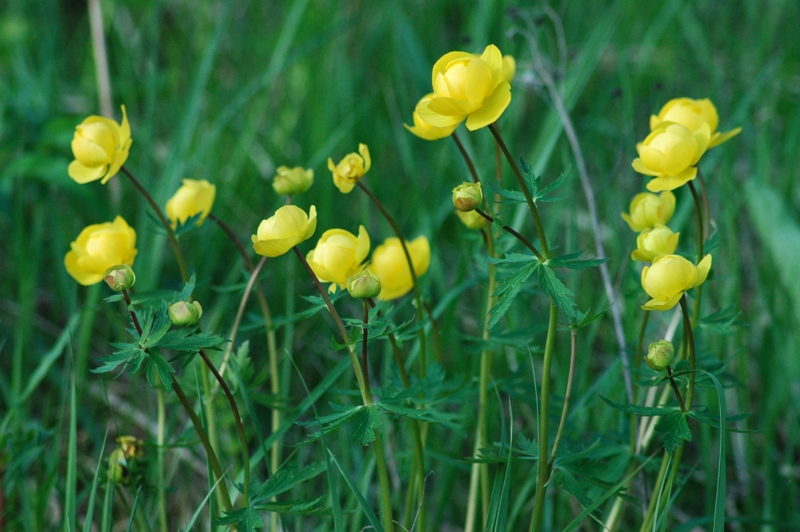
(339, 254)
(424, 130)
(468, 86)
(692, 114)
(100, 146)
(669, 154)
(390, 265)
(195, 196)
(350, 169)
(648, 209)
(666, 280)
(471, 219)
(279, 233)
(292, 180)
(98, 248)
(654, 242)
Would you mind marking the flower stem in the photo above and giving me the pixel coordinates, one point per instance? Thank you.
(687, 326)
(699, 210)
(543, 473)
(467, 159)
(162, 491)
(567, 395)
(675, 389)
(176, 248)
(514, 233)
(414, 280)
(524, 187)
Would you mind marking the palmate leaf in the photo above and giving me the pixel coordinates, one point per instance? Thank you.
(674, 430)
(365, 418)
(570, 261)
(507, 290)
(422, 414)
(285, 479)
(246, 519)
(724, 321)
(552, 286)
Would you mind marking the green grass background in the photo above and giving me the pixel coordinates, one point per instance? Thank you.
(227, 91)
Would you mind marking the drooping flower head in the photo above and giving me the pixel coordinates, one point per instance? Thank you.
(98, 248)
(470, 87)
(279, 233)
(193, 197)
(350, 169)
(648, 209)
(390, 265)
(100, 147)
(666, 280)
(692, 114)
(670, 153)
(292, 180)
(654, 242)
(339, 254)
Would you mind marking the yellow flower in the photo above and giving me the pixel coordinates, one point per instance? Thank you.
(648, 209)
(468, 86)
(339, 254)
(98, 248)
(654, 242)
(424, 130)
(100, 147)
(292, 180)
(471, 219)
(285, 229)
(350, 169)
(669, 277)
(192, 198)
(670, 153)
(692, 114)
(123, 464)
(390, 265)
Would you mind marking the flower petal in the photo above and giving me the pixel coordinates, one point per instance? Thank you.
(672, 182)
(492, 108)
(85, 174)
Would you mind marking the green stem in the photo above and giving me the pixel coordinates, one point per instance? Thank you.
(515, 234)
(647, 525)
(162, 492)
(414, 280)
(524, 187)
(467, 159)
(687, 326)
(176, 248)
(239, 425)
(543, 473)
(675, 389)
(565, 409)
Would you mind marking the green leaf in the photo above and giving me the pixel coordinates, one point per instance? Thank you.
(285, 479)
(423, 414)
(648, 411)
(362, 502)
(544, 193)
(725, 321)
(674, 430)
(310, 507)
(552, 286)
(246, 519)
(508, 289)
(367, 419)
(569, 261)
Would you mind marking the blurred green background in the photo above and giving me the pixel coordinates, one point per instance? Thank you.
(227, 91)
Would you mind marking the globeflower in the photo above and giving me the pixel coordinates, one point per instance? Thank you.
(651, 243)
(390, 265)
(292, 180)
(194, 197)
(98, 248)
(648, 209)
(666, 280)
(424, 130)
(350, 169)
(692, 114)
(468, 86)
(670, 153)
(100, 146)
(339, 254)
(471, 219)
(279, 233)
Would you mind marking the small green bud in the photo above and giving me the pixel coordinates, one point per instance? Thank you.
(120, 277)
(467, 196)
(660, 355)
(363, 285)
(292, 180)
(185, 313)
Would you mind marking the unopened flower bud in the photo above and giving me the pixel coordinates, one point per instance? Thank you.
(292, 180)
(124, 460)
(120, 277)
(185, 313)
(363, 285)
(660, 355)
(467, 196)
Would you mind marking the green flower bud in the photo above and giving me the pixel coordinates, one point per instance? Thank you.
(120, 277)
(292, 180)
(363, 285)
(123, 464)
(660, 355)
(185, 313)
(467, 196)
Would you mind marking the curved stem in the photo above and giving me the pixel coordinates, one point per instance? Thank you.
(176, 248)
(414, 280)
(162, 489)
(543, 473)
(467, 159)
(515, 234)
(567, 395)
(524, 187)
(687, 326)
(699, 211)
(239, 425)
(675, 389)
